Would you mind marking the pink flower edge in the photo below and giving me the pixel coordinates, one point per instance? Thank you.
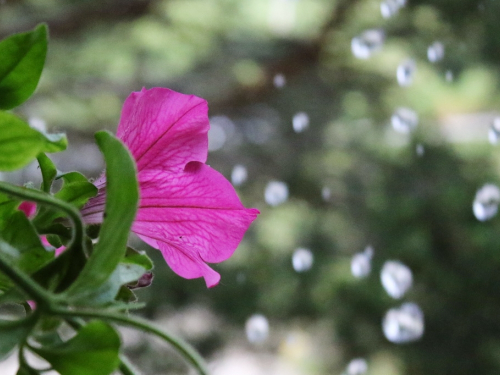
(187, 210)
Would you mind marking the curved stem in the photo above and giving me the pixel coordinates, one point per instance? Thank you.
(21, 358)
(47, 199)
(182, 347)
(126, 367)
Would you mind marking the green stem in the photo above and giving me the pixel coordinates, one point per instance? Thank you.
(21, 358)
(182, 347)
(47, 199)
(30, 287)
(126, 367)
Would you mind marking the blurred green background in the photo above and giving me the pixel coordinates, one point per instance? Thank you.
(352, 179)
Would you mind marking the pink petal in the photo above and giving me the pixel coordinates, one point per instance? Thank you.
(46, 243)
(60, 250)
(164, 129)
(182, 263)
(193, 217)
(188, 211)
(93, 210)
(29, 208)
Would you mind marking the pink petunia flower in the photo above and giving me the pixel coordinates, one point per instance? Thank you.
(187, 210)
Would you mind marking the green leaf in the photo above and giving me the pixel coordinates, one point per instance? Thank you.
(20, 144)
(76, 190)
(49, 171)
(121, 205)
(77, 193)
(138, 257)
(13, 333)
(46, 328)
(13, 295)
(71, 177)
(125, 299)
(50, 336)
(130, 269)
(93, 351)
(7, 207)
(123, 274)
(59, 274)
(54, 240)
(30, 255)
(23, 57)
(55, 142)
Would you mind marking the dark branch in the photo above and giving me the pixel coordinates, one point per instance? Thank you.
(73, 18)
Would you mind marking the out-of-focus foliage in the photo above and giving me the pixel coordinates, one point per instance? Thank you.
(416, 208)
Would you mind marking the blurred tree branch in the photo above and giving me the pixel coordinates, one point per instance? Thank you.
(302, 56)
(72, 18)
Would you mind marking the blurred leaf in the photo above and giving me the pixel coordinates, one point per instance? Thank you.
(93, 231)
(121, 205)
(13, 333)
(48, 324)
(23, 57)
(49, 336)
(48, 170)
(59, 230)
(7, 207)
(54, 142)
(93, 351)
(24, 369)
(20, 144)
(54, 240)
(125, 296)
(13, 295)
